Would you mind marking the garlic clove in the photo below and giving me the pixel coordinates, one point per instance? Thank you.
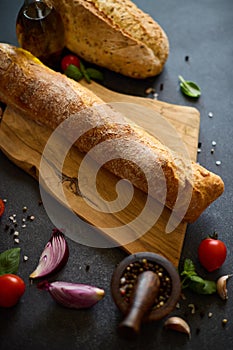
(73, 295)
(178, 324)
(222, 286)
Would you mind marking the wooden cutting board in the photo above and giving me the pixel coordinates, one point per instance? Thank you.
(23, 141)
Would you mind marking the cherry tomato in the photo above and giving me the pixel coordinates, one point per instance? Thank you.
(212, 253)
(2, 207)
(12, 288)
(69, 59)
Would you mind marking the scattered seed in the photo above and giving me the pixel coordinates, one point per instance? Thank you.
(5, 200)
(199, 144)
(186, 58)
(210, 115)
(16, 240)
(218, 162)
(214, 143)
(183, 297)
(25, 209)
(23, 220)
(87, 268)
(25, 258)
(32, 217)
(161, 87)
(23, 226)
(210, 314)
(199, 150)
(150, 90)
(16, 233)
(155, 96)
(224, 321)
(11, 218)
(212, 150)
(192, 306)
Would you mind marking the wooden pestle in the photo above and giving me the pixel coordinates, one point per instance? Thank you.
(143, 298)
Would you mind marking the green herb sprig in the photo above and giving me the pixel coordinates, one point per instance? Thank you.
(88, 74)
(189, 88)
(191, 280)
(9, 261)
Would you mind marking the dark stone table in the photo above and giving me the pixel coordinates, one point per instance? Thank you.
(203, 31)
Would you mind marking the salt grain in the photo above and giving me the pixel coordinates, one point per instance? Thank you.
(210, 115)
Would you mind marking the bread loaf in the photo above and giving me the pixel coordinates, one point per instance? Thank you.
(114, 34)
(49, 98)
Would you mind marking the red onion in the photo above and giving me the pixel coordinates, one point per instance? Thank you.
(53, 257)
(71, 295)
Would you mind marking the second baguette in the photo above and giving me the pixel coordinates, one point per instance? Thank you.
(50, 98)
(114, 34)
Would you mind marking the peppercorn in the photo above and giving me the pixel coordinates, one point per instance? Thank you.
(129, 278)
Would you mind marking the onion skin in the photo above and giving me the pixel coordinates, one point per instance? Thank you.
(73, 295)
(54, 256)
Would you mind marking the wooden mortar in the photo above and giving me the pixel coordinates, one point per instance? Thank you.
(140, 308)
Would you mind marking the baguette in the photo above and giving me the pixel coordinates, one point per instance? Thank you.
(114, 34)
(49, 98)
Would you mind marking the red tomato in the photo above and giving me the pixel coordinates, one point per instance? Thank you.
(212, 253)
(69, 59)
(12, 288)
(2, 207)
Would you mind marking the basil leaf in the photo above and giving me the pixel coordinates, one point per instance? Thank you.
(84, 72)
(95, 74)
(188, 269)
(189, 265)
(194, 282)
(201, 286)
(9, 261)
(73, 72)
(210, 287)
(189, 88)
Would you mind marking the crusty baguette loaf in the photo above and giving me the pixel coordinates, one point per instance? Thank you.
(49, 98)
(114, 34)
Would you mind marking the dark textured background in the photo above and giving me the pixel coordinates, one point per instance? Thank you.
(203, 31)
